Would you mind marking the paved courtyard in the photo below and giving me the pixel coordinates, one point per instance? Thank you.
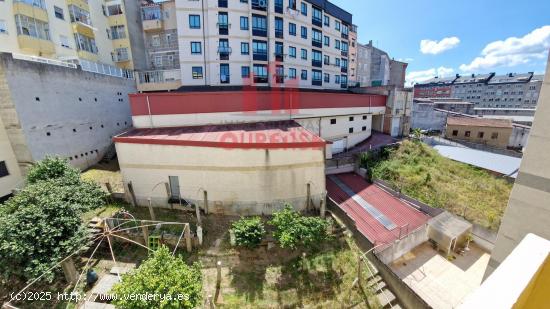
(440, 282)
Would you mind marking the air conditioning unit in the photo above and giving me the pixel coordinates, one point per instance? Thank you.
(262, 3)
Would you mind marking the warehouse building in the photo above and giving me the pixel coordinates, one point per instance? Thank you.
(192, 147)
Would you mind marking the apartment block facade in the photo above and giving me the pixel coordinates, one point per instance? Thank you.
(278, 43)
(84, 32)
(488, 91)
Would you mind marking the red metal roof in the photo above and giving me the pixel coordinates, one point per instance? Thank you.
(291, 102)
(398, 211)
(274, 134)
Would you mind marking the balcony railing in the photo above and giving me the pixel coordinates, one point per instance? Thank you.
(343, 69)
(260, 79)
(279, 8)
(317, 43)
(261, 56)
(279, 34)
(279, 79)
(344, 53)
(344, 36)
(222, 3)
(316, 82)
(223, 28)
(259, 31)
(37, 3)
(317, 63)
(279, 56)
(317, 22)
(224, 52)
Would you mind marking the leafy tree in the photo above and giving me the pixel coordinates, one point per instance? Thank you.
(293, 229)
(52, 168)
(248, 232)
(42, 223)
(177, 284)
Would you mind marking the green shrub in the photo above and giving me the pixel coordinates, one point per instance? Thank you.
(178, 284)
(52, 168)
(248, 232)
(293, 230)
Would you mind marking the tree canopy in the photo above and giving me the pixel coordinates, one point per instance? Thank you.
(173, 283)
(42, 223)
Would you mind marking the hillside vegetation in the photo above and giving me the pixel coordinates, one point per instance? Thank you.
(422, 173)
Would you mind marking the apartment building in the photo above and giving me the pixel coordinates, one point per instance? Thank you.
(279, 43)
(160, 32)
(375, 68)
(89, 33)
(492, 132)
(436, 87)
(352, 79)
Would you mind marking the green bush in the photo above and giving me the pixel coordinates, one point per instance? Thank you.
(177, 284)
(293, 230)
(248, 232)
(52, 168)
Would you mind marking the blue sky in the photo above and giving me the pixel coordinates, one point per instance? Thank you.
(505, 36)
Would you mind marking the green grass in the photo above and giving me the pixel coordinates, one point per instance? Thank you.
(422, 173)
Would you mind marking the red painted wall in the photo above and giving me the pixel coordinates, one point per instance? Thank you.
(246, 101)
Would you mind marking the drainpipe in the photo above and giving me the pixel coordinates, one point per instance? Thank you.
(204, 23)
(149, 110)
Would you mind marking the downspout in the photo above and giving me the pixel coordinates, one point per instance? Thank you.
(149, 110)
(204, 23)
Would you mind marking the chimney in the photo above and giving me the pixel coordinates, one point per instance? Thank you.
(370, 43)
(473, 75)
(510, 74)
(457, 75)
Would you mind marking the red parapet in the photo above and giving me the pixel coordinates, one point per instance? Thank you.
(248, 100)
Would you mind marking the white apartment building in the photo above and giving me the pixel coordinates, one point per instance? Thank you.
(277, 43)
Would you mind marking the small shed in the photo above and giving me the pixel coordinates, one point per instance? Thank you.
(448, 231)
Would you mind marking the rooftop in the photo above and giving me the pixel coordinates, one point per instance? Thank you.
(479, 122)
(511, 78)
(378, 214)
(257, 135)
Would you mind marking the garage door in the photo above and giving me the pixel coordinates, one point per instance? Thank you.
(338, 146)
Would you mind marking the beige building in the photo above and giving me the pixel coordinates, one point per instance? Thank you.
(89, 33)
(528, 207)
(491, 132)
(160, 33)
(10, 175)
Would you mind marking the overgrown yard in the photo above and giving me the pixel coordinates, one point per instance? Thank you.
(422, 173)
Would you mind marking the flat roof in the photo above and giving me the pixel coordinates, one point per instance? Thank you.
(479, 122)
(501, 164)
(256, 135)
(390, 207)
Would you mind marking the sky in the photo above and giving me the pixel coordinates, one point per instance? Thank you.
(443, 38)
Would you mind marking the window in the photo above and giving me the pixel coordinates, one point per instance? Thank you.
(326, 78)
(64, 41)
(259, 50)
(3, 169)
(337, 62)
(337, 25)
(79, 15)
(292, 29)
(3, 27)
(326, 59)
(196, 72)
(304, 54)
(480, 134)
(316, 58)
(292, 73)
(304, 75)
(336, 79)
(327, 40)
(244, 23)
(364, 117)
(58, 12)
(292, 4)
(337, 44)
(245, 72)
(32, 27)
(364, 128)
(120, 54)
(351, 118)
(224, 73)
(260, 73)
(292, 52)
(279, 48)
(116, 9)
(316, 16)
(350, 130)
(455, 132)
(85, 43)
(194, 21)
(303, 8)
(118, 32)
(467, 134)
(279, 6)
(326, 20)
(245, 50)
(303, 31)
(223, 49)
(316, 37)
(278, 27)
(259, 25)
(316, 77)
(196, 48)
(494, 135)
(223, 23)
(333, 121)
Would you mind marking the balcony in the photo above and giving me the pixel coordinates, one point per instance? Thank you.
(279, 56)
(316, 82)
(225, 79)
(260, 5)
(222, 3)
(223, 28)
(344, 53)
(261, 56)
(279, 34)
(317, 63)
(259, 32)
(344, 70)
(158, 80)
(84, 29)
(152, 25)
(224, 52)
(317, 22)
(260, 79)
(279, 8)
(344, 36)
(33, 45)
(32, 8)
(317, 43)
(279, 78)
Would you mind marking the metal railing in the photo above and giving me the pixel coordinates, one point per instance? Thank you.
(45, 60)
(161, 76)
(105, 69)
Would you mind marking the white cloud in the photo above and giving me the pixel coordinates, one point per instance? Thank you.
(512, 51)
(421, 76)
(405, 59)
(435, 47)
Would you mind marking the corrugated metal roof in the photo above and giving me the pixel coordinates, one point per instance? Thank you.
(405, 217)
(479, 122)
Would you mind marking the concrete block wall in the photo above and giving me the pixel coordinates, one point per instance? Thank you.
(55, 110)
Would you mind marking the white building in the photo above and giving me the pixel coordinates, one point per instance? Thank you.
(277, 43)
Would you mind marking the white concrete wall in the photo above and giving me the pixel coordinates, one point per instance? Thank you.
(519, 136)
(266, 177)
(53, 110)
(9, 182)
